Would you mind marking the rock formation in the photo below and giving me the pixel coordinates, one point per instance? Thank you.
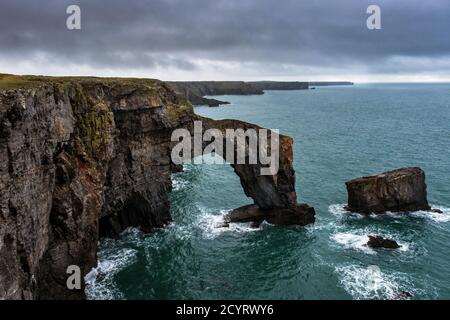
(377, 242)
(403, 295)
(200, 100)
(82, 158)
(400, 190)
(195, 91)
(301, 214)
(331, 83)
(215, 88)
(280, 85)
(274, 196)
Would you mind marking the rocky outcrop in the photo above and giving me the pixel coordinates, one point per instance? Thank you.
(331, 83)
(79, 158)
(215, 88)
(274, 196)
(400, 190)
(201, 101)
(403, 295)
(377, 242)
(82, 158)
(280, 85)
(267, 191)
(195, 91)
(301, 214)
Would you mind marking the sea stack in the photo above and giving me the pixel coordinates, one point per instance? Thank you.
(401, 190)
(377, 242)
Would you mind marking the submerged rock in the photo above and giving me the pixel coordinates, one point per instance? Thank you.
(301, 214)
(400, 190)
(177, 168)
(403, 295)
(376, 242)
(223, 224)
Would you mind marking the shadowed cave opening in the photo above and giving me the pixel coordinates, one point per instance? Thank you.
(137, 212)
(273, 192)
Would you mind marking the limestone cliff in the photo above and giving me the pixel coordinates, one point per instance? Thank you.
(82, 158)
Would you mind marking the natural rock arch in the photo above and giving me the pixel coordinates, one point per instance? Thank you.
(274, 196)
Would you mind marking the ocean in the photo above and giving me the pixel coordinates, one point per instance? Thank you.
(340, 133)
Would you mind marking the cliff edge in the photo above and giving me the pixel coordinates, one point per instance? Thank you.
(82, 158)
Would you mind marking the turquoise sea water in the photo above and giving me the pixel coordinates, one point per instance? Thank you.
(340, 133)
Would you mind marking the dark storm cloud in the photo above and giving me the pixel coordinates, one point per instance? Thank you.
(179, 33)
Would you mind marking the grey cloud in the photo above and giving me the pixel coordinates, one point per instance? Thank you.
(178, 33)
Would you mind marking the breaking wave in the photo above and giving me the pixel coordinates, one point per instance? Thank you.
(339, 210)
(370, 282)
(213, 225)
(100, 284)
(434, 216)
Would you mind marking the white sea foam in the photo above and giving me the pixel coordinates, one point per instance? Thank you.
(370, 282)
(337, 209)
(434, 216)
(353, 241)
(340, 211)
(100, 280)
(183, 232)
(132, 231)
(179, 183)
(212, 225)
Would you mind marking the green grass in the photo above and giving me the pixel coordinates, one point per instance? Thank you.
(9, 81)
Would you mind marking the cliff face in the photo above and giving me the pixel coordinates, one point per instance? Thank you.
(280, 85)
(195, 91)
(331, 83)
(78, 157)
(82, 158)
(210, 88)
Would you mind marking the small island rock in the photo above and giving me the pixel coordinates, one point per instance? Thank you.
(400, 190)
(376, 242)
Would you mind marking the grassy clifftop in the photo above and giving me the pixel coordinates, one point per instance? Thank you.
(10, 81)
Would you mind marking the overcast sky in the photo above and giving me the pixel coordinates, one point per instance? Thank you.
(229, 39)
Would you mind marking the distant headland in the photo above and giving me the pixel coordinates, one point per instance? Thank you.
(195, 91)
